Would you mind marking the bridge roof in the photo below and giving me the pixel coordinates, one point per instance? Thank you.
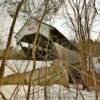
(46, 30)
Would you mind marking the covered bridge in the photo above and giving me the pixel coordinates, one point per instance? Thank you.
(47, 38)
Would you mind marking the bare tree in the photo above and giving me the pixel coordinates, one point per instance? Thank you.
(80, 20)
(80, 15)
(2, 68)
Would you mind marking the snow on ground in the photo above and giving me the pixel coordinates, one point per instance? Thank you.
(55, 92)
(96, 64)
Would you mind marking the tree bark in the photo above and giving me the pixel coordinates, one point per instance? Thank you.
(2, 68)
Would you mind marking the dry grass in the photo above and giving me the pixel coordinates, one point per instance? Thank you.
(54, 75)
(13, 54)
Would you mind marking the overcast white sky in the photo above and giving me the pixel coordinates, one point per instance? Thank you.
(6, 20)
(5, 23)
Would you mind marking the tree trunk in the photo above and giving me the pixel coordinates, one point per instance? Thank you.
(2, 68)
